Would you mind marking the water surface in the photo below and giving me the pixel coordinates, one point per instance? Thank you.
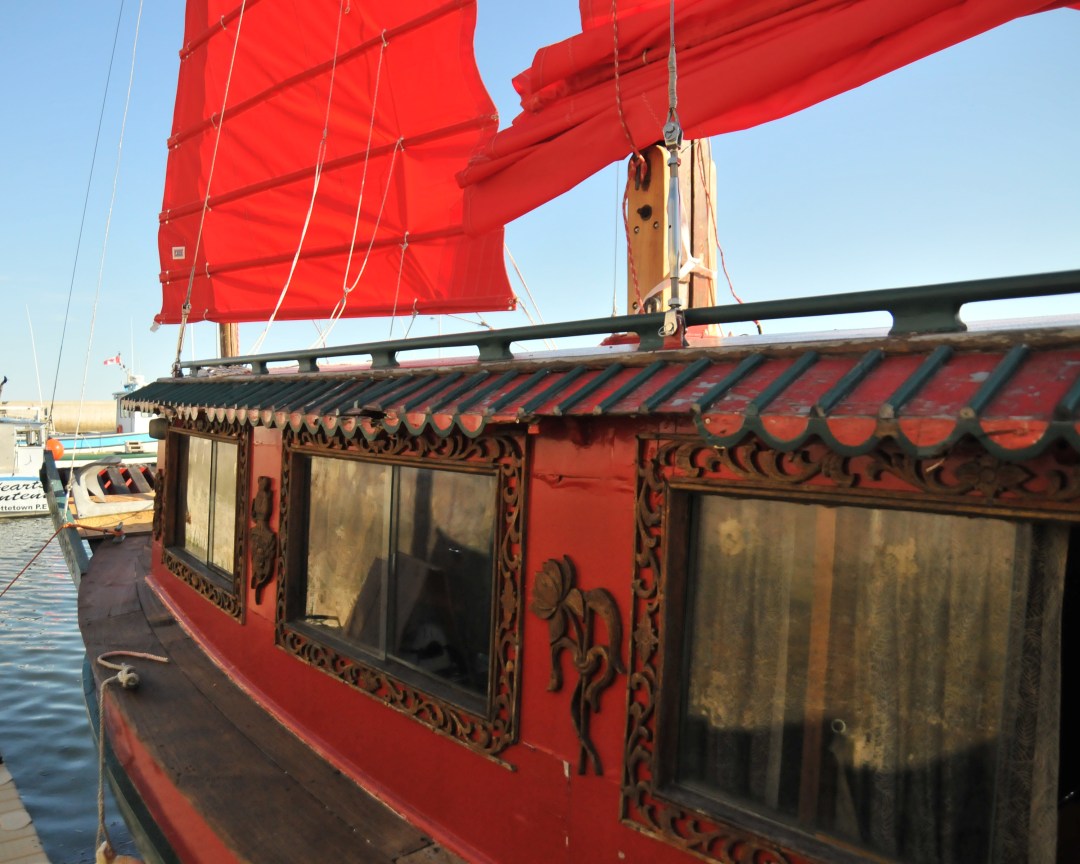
(44, 731)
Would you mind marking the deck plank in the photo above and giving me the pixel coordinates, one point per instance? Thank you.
(19, 841)
(266, 794)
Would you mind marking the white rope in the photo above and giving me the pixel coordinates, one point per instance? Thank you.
(346, 290)
(105, 244)
(673, 96)
(86, 202)
(615, 256)
(320, 160)
(412, 319)
(521, 278)
(367, 156)
(33, 349)
(186, 308)
(397, 284)
(339, 309)
(673, 136)
(618, 83)
(128, 678)
(479, 320)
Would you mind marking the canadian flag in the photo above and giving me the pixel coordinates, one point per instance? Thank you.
(113, 361)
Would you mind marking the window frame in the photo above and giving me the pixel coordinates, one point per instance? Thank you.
(485, 724)
(223, 589)
(672, 471)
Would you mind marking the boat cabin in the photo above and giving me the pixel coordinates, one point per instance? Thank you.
(787, 600)
(22, 442)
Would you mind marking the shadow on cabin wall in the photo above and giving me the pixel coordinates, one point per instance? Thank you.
(903, 814)
(941, 812)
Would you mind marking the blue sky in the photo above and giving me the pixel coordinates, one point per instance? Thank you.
(961, 166)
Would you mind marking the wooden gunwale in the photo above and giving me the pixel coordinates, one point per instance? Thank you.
(264, 793)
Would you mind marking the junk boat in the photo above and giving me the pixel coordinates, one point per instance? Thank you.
(673, 598)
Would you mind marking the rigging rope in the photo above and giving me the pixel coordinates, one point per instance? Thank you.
(716, 239)
(632, 176)
(637, 165)
(75, 524)
(86, 201)
(549, 342)
(673, 135)
(618, 82)
(346, 289)
(185, 310)
(339, 310)
(105, 240)
(397, 283)
(32, 560)
(615, 257)
(320, 160)
(673, 75)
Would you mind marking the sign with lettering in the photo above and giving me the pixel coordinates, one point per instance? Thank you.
(22, 496)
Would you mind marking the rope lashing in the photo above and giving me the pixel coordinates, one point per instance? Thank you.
(128, 678)
(117, 533)
(618, 84)
(673, 135)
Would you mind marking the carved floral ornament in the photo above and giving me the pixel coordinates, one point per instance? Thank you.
(571, 615)
(263, 538)
(965, 479)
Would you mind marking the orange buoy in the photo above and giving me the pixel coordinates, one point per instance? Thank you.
(56, 448)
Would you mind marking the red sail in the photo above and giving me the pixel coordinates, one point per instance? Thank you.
(740, 63)
(407, 109)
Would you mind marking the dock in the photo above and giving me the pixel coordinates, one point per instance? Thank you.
(19, 842)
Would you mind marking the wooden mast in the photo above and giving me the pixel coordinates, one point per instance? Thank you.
(228, 340)
(649, 227)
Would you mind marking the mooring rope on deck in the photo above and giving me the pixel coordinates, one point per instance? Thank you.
(128, 678)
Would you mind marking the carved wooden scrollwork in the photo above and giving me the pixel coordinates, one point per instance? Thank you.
(263, 538)
(571, 615)
(497, 729)
(968, 478)
(159, 503)
(229, 598)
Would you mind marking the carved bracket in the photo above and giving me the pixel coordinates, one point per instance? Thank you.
(263, 538)
(571, 615)
(157, 526)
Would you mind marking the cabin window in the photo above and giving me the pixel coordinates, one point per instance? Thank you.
(203, 517)
(206, 526)
(399, 564)
(403, 572)
(847, 670)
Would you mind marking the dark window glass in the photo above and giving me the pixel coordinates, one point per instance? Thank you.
(400, 563)
(206, 529)
(846, 669)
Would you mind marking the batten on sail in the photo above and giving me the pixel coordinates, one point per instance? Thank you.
(330, 167)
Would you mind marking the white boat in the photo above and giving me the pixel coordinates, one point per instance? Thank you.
(131, 437)
(111, 494)
(22, 443)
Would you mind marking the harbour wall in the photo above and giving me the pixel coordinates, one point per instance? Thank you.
(89, 416)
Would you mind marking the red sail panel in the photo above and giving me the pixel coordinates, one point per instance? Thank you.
(740, 63)
(411, 65)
